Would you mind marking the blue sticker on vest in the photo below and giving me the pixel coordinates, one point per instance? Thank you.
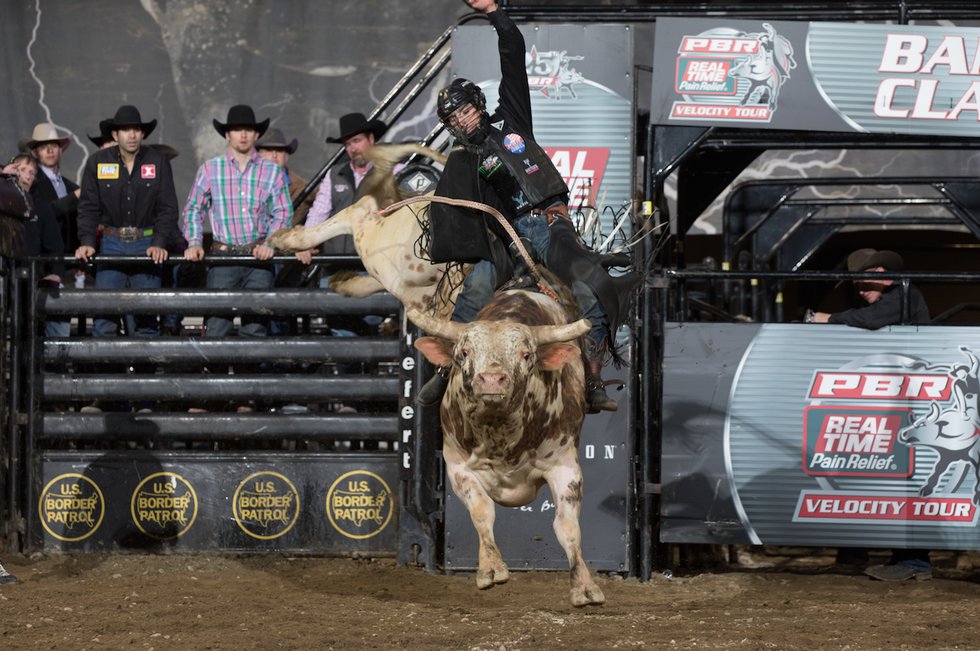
(514, 143)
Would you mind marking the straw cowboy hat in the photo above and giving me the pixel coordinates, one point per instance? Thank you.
(127, 116)
(47, 132)
(273, 139)
(241, 115)
(864, 259)
(355, 123)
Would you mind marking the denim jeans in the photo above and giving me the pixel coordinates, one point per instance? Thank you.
(223, 277)
(110, 276)
(479, 285)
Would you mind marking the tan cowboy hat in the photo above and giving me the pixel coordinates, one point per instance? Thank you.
(864, 259)
(47, 132)
(355, 123)
(273, 139)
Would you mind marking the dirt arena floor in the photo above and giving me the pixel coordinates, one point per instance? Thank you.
(231, 602)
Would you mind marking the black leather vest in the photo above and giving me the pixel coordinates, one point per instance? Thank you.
(519, 170)
(342, 195)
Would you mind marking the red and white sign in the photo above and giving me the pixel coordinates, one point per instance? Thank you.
(582, 168)
(899, 509)
(880, 386)
(148, 171)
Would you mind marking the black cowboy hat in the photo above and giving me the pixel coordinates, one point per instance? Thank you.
(127, 116)
(355, 123)
(864, 259)
(241, 115)
(105, 134)
(273, 139)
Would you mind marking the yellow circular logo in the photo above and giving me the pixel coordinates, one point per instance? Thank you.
(164, 506)
(71, 507)
(359, 504)
(266, 505)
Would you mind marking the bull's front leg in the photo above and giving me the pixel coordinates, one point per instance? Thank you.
(565, 481)
(942, 465)
(470, 491)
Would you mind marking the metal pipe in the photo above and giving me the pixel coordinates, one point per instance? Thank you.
(213, 387)
(169, 350)
(190, 427)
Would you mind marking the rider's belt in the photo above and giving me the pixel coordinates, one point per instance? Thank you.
(127, 233)
(553, 212)
(240, 249)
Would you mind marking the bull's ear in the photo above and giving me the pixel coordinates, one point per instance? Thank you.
(437, 350)
(551, 357)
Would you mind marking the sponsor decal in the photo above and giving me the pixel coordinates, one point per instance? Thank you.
(108, 171)
(340, 187)
(907, 60)
(529, 167)
(418, 183)
(861, 442)
(265, 505)
(551, 74)
(582, 169)
(931, 407)
(514, 143)
(148, 171)
(71, 507)
(359, 504)
(489, 165)
(730, 75)
(498, 125)
(164, 506)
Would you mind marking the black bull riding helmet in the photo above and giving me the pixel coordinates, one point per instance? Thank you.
(457, 94)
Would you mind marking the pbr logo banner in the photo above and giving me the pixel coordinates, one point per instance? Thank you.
(817, 76)
(581, 97)
(822, 435)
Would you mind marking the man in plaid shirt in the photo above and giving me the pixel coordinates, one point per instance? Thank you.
(247, 199)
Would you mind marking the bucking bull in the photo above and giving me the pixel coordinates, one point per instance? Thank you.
(514, 408)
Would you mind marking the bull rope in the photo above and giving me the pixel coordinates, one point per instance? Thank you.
(490, 210)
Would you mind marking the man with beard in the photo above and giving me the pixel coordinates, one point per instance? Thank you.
(128, 195)
(339, 189)
(496, 161)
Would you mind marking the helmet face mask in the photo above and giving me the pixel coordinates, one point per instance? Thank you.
(454, 97)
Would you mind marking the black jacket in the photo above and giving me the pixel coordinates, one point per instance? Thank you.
(114, 197)
(886, 311)
(459, 233)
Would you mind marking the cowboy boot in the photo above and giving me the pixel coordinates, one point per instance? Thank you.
(596, 397)
(433, 390)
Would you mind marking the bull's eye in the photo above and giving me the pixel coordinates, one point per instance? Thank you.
(464, 352)
(526, 355)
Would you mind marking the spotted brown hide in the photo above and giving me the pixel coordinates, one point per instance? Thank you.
(386, 245)
(511, 419)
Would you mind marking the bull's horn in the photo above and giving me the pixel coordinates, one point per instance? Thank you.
(439, 327)
(555, 333)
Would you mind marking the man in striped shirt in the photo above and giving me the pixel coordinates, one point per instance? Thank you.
(246, 198)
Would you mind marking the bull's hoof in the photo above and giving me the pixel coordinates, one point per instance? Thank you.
(589, 595)
(338, 278)
(488, 578)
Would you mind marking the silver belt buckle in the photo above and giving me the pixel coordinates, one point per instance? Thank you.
(129, 233)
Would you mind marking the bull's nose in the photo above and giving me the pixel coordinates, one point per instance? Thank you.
(493, 379)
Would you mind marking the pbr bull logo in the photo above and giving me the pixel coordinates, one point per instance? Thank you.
(550, 73)
(894, 416)
(729, 75)
(951, 428)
